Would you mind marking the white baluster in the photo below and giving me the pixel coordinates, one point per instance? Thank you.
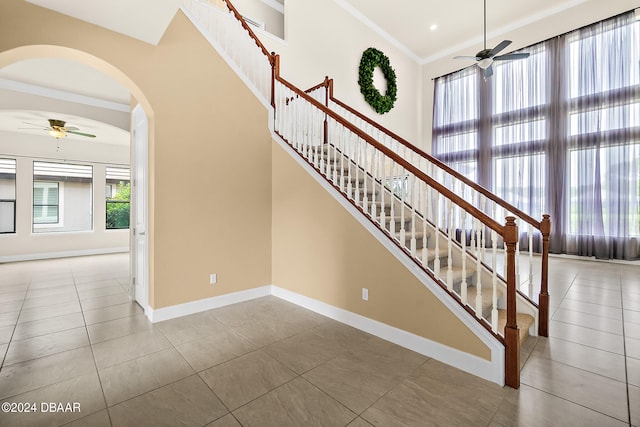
(307, 128)
(530, 261)
(365, 196)
(483, 203)
(479, 228)
(463, 240)
(392, 200)
(383, 179)
(336, 162)
(414, 197)
(436, 251)
(342, 159)
(356, 194)
(518, 282)
(425, 194)
(374, 167)
(315, 142)
(472, 242)
(403, 207)
(494, 281)
(449, 244)
(349, 139)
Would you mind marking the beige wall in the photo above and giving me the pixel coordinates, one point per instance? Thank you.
(209, 152)
(321, 251)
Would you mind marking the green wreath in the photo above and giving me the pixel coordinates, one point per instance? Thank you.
(372, 58)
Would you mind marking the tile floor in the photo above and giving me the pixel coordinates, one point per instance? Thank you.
(68, 334)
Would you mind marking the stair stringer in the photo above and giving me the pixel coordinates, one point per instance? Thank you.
(491, 370)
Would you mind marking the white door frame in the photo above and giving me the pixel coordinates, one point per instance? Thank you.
(139, 208)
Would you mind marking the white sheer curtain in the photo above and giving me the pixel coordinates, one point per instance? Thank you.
(557, 133)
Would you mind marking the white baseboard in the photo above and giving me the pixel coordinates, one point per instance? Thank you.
(197, 306)
(66, 254)
(490, 370)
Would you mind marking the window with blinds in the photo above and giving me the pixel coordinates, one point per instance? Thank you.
(7, 196)
(62, 197)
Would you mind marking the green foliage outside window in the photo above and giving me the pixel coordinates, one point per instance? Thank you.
(118, 207)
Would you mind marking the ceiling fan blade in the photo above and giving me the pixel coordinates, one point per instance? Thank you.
(466, 57)
(510, 56)
(488, 72)
(499, 48)
(39, 126)
(80, 133)
(71, 128)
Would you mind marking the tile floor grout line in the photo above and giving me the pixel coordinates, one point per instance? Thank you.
(585, 370)
(392, 388)
(624, 349)
(93, 356)
(584, 312)
(15, 325)
(587, 327)
(571, 401)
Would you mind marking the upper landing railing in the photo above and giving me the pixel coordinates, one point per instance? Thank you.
(451, 227)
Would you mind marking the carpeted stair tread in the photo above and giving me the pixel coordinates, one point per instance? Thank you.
(524, 321)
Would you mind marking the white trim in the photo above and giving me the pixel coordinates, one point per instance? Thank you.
(377, 29)
(464, 361)
(62, 95)
(273, 4)
(66, 254)
(496, 348)
(192, 307)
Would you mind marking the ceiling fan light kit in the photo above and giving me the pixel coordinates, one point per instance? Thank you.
(58, 129)
(56, 133)
(484, 59)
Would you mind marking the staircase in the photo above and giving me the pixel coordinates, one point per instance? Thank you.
(416, 238)
(452, 229)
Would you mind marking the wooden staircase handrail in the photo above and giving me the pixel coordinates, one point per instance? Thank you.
(483, 217)
(328, 83)
(246, 26)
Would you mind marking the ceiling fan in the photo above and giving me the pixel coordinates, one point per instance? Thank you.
(485, 57)
(58, 130)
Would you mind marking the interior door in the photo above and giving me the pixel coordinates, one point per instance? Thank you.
(139, 237)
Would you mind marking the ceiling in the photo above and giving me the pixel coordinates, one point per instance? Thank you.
(459, 31)
(32, 122)
(459, 23)
(407, 23)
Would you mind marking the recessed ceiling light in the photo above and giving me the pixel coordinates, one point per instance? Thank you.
(433, 27)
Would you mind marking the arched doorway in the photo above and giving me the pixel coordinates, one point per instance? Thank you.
(139, 271)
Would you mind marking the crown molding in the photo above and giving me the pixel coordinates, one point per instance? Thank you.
(377, 29)
(62, 95)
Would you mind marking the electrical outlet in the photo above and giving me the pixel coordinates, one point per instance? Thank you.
(365, 294)
(213, 279)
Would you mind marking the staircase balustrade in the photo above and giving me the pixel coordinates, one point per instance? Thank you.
(528, 266)
(448, 225)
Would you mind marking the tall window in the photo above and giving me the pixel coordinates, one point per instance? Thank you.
(62, 197)
(7, 196)
(118, 197)
(556, 133)
(46, 202)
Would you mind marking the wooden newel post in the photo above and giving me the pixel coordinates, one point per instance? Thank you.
(511, 332)
(275, 72)
(543, 298)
